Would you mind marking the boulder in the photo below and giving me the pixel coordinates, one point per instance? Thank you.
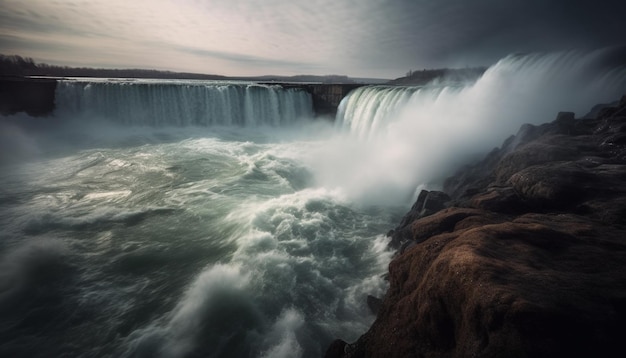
(373, 303)
(427, 203)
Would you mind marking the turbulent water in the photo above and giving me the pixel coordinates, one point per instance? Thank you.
(203, 219)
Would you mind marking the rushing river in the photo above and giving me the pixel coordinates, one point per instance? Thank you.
(202, 219)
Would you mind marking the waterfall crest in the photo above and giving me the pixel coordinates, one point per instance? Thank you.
(176, 103)
(518, 89)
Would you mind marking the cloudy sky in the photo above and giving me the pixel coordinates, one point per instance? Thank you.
(361, 38)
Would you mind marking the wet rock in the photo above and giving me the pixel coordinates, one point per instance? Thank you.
(525, 258)
(499, 199)
(336, 349)
(536, 285)
(427, 203)
(373, 303)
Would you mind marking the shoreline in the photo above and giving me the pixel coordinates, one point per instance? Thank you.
(521, 255)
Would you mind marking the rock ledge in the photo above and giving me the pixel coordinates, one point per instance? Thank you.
(522, 255)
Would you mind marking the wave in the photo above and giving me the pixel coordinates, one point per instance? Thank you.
(288, 289)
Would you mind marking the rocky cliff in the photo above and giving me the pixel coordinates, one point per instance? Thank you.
(522, 255)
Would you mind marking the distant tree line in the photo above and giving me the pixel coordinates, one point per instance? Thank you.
(17, 66)
(425, 76)
(14, 65)
(303, 78)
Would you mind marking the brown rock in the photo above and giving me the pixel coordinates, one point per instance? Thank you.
(527, 258)
(336, 349)
(535, 286)
(427, 203)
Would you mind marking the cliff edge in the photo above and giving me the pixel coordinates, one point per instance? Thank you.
(521, 255)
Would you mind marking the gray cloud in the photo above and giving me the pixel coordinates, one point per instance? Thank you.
(247, 60)
(489, 29)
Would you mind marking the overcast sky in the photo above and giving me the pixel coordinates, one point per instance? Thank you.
(360, 38)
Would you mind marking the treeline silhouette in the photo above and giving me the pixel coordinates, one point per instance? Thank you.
(18, 66)
(14, 65)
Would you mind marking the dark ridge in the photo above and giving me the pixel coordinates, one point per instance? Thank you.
(448, 75)
(17, 66)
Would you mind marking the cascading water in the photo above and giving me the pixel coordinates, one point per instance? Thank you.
(401, 138)
(180, 103)
(527, 87)
(160, 219)
(176, 219)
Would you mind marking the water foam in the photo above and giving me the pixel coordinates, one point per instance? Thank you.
(216, 308)
(31, 278)
(284, 332)
(302, 260)
(397, 139)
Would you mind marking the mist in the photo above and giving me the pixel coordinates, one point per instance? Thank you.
(398, 140)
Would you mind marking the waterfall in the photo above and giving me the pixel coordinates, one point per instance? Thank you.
(518, 89)
(395, 140)
(183, 103)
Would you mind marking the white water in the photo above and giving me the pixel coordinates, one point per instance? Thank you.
(183, 103)
(140, 227)
(133, 229)
(409, 137)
